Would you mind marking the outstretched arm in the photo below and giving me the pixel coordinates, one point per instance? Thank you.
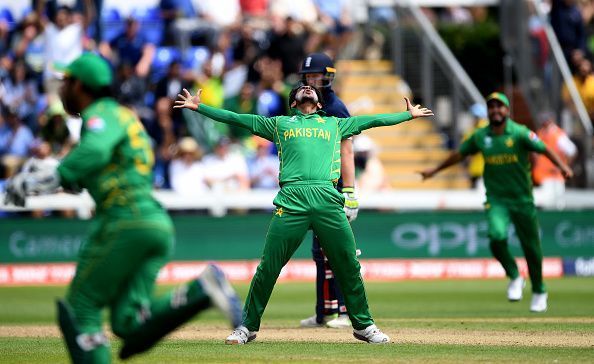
(564, 168)
(453, 158)
(256, 124)
(356, 124)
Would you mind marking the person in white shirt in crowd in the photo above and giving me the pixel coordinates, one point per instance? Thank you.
(63, 41)
(186, 172)
(226, 170)
(370, 175)
(263, 166)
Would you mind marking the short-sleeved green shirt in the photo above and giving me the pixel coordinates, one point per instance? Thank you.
(113, 161)
(507, 161)
(308, 145)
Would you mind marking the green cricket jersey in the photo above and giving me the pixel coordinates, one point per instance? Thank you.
(113, 161)
(308, 145)
(507, 160)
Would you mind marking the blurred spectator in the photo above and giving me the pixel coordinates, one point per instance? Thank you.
(171, 10)
(29, 44)
(263, 166)
(172, 83)
(457, 15)
(226, 170)
(288, 44)
(544, 172)
(584, 82)
(568, 25)
(55, 133)
(370, 175)
(186, 172)
(271, 88)
(336, 17)
(254, 8)
(15, 141)
(131, 90)
(221, 13)
(130, 47)
(20, 92)
(476, 162)
(63, 41)
(244, 103)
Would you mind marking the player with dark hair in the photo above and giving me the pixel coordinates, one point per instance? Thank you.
(308, 144)
(132, 237)
(506, 148)
(317, 70)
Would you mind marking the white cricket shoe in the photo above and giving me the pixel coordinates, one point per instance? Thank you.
(221, 293)
(514, 289)
(539, 302)
(372, 335)
(312, 321)
(239, 336)
(341, 322)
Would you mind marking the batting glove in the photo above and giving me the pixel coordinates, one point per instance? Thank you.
(351, 204)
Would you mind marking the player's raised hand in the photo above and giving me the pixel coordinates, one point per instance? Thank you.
(417, 111)
(427, 173)
(187, 100)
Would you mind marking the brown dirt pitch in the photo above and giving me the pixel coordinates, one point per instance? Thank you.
(449, 336)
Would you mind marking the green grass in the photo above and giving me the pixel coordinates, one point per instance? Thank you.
(463, 307)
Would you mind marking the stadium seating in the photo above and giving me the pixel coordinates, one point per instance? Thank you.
(163, 58)
(370, 87)
(112, 24)
(151, 24)
(194, 57)
(6, 16)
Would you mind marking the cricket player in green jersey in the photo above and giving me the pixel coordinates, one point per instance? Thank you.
(132, 237)
(308, 144)
(506, 148)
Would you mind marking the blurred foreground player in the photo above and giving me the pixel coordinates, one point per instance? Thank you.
(132, 237)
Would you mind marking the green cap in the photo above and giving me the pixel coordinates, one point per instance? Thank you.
(499, 97)
(90, 69)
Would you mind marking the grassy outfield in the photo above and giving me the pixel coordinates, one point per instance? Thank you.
(437, 321)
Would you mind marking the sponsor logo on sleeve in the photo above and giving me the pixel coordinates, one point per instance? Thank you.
(532, 135)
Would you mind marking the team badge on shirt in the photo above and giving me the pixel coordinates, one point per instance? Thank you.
(509, 142)
(488, 142)
(320, 120)
(279, 212)
(95, 123)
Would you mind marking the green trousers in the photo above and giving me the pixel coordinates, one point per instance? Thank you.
(299, 207)
(117, 268)
(523, 216)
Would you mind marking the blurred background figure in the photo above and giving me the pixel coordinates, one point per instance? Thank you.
(15, 141)
(226, 169)
(476, 162)
(64, 36)
(54, 132)
(544, 173)
(186, 172)
(263, 166)
(370, 175)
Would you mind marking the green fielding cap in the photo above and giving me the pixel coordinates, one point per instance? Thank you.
(90, 69)
(499, 97)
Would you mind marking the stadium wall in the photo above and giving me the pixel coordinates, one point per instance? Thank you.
(395, 246)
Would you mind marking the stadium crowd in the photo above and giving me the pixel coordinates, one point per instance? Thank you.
(244, 54)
